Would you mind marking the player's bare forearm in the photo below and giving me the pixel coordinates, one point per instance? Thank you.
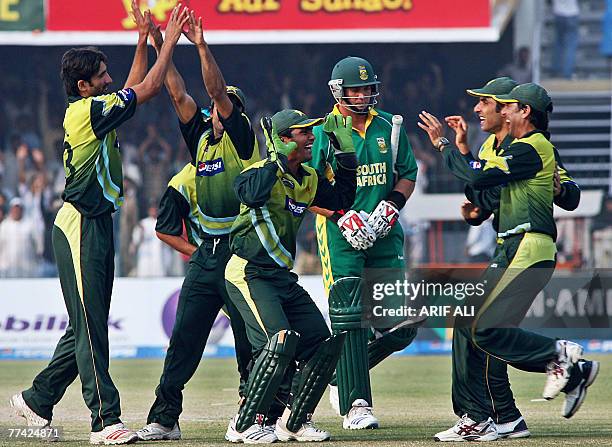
(177, 243)
(321, 211)
(139, 65)
(214, 81)
(404, 186)
(183, 103)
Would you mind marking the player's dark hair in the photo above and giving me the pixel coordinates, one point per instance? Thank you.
(80, 64)
(286, 133)
(537, 118)
(498, 107)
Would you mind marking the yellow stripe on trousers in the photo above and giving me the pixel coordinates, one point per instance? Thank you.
(328, 276)
(235, 273)
(68, 220)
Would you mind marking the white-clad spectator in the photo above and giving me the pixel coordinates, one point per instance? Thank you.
(20, 245)
(153, 257)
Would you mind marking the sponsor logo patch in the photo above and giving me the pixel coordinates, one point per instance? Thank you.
(296, 208)
(210, 167)
(126, 94)
(475, 164)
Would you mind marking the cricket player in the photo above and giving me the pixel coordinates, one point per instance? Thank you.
(500, 401)
(350, 241)
(221, 143)
(83, 230)
(519, 183)
(293, 349)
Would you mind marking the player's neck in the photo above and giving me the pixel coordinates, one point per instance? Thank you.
(501, 134)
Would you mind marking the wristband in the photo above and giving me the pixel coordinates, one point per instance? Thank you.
(398, 199)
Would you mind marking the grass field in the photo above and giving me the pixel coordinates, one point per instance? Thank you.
(412, 401)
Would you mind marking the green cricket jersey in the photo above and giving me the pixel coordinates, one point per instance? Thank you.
(376, 165)
(273, 206)
(525, 170)
(92, 161)
(179, 204)
(568, 199)
(218, 162)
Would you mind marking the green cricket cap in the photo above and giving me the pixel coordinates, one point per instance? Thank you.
(236, 93)
(531, 94)
(293, 119)
(497, 86)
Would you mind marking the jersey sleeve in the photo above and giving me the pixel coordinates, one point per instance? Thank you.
(253, 186)
(521, 161)
(569, 199)
(173, 210)
(193, 129)
(406, 166)
(108, 112)
(239, 129)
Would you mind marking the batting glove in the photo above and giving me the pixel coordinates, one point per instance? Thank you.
(339, 130)
(355, 229)
(383, 218)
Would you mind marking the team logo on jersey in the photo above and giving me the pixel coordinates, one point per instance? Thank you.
(475, 164)
(288, 183)
(296, 208)
(382, 146)
(363, 73)
(210, 167)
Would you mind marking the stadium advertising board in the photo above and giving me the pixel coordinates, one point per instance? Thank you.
(66, 15)
(21, 15)
(287, 21)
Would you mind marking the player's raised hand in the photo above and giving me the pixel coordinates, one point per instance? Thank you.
(278, 150)
(339, 130)
(155, 35)
(178, 19)
(195, 31)
(141, 21)
(459, 125)
(557, 188)
(432, 126)
(469, 210)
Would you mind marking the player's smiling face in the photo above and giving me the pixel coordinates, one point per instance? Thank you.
(515, 117)
(303, 138)
(491, 120)
(98, 84)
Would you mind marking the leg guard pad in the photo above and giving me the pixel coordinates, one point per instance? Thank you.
(311, 379)
(352, 375)
(266, 376)
(383, 344)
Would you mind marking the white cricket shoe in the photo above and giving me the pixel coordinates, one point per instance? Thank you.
(113, 435)
(467, 430)
(574, 398)
(157, 432)
(558, 370)
(21, 409)
(306, 433)
(334, 399)
(514, 429)
(359, 416)
(255, 434)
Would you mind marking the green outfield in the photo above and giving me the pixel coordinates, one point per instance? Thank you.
(411, 397)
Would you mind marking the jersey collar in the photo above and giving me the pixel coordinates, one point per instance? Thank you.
(371, 114)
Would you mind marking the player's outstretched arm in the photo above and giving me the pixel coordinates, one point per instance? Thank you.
(183, 103)
(153, 81)
(139, 65)
(211, 74)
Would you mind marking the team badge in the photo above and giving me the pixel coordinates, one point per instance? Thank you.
(382, 146)
(363, 73)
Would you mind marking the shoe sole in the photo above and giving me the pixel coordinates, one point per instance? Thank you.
(487, 438)
(372, 426)
(160, 438)
(589, 381)
(129, 441)
(517, 435)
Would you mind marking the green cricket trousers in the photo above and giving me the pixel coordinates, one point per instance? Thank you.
(202, 296)
(521, 268)
(84, 251)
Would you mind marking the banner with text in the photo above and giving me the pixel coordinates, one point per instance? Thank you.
(266, 15)
(21, 15)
